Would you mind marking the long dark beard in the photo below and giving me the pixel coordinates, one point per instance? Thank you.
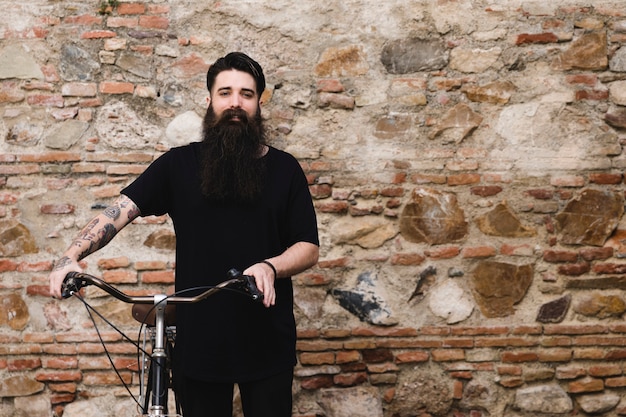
(231, 168)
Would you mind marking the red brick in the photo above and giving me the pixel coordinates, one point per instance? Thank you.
(463, 179)
(68, 387)
(337, 207)
(554, 256)
(19, 365)
(79, 89)
(479, 252)
(585, 385)
(318, 345)
(447, 355)
(594, 254)
(486, 190)
(443, 252)
(59, 376)
(38, 290)
(131, 8)
(555, 355)
(350, 379)
(600, 95)
(344, 357)
(517, 357)
(157, 277)
(150, 265)
(120, 276)
(119, 22)
(324, 358)
(115, 87)
(605, 370)
(106, 378)
(317, 382)
(546, 37)
(428, 179)
(320, 191)
(57, 209)
(568, 181)
(617, 382)
(62, 399)
(98, 34)
(113, 263)
(50, 157)
(46, 100)
(158, 8)
(7, 265)
(606, 178)
(154, 22)
(61, 363)
(406, 259)
(392, 192)
(384, 331)
(609, 268)
(587, 79)
(574, 270)
(412, 357)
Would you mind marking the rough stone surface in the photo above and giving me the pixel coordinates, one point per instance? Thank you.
(366, 301)
(498, 286)
(501, 221)
(15, 239)
(600, 305)
(413, 55)
(351, 402)
(543, 399)
(450, 302)
(17, 386)
(554, 311)
(13, 312)
(433, 217)
(591, 217)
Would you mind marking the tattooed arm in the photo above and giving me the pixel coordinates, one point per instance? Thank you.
(95, 235)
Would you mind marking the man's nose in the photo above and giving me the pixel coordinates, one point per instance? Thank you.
(235, 101)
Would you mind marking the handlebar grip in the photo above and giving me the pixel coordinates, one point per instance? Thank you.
(249, 282)
(253, 290)
(71, 284)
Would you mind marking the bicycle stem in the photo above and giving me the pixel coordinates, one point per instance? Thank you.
(159, 356)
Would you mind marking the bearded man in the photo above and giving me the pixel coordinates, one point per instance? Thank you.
(235, 202)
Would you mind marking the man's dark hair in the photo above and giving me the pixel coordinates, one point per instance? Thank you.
(240, 62)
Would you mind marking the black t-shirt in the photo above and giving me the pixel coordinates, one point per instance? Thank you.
(228, 337)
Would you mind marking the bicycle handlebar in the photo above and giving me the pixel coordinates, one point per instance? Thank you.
(74, 281)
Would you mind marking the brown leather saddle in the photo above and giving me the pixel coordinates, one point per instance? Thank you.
(146, 314)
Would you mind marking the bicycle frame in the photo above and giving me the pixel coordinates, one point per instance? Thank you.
(74, 281)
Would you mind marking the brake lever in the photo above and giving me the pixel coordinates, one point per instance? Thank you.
(249, 284)
(71, 284)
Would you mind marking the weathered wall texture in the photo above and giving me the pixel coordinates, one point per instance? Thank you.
(466, 162)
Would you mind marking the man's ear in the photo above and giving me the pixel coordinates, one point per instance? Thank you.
(208, 101)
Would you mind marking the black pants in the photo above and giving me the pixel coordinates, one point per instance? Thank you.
(263, 398)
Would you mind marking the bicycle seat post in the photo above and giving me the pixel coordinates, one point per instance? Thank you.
(159, 356)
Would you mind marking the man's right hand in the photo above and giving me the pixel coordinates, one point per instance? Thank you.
(59, 271)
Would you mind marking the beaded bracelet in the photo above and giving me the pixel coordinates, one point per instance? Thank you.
(271, 266)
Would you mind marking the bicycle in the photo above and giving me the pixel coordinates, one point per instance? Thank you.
(156, 312)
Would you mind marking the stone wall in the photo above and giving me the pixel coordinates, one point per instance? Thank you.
(465, 158)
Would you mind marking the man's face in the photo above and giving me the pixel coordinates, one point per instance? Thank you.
(234, 90)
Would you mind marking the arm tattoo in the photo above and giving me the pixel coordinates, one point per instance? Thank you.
(59, 264)
(105, 235)
(133, 210)
(94, 237)
(112, 212)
